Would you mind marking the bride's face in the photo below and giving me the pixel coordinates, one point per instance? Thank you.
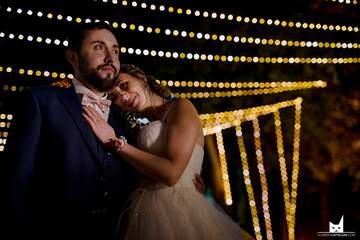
(129, 93)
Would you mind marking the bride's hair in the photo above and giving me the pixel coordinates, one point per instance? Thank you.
(149, 82)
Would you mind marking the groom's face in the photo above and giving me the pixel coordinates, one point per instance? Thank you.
(98, 59)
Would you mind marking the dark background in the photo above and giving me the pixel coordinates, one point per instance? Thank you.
(329, 177)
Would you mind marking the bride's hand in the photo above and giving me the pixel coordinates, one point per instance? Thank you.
(100, 127)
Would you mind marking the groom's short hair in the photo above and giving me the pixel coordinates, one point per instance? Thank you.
(78, 34)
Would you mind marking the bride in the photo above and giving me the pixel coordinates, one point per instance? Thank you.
(166, 204)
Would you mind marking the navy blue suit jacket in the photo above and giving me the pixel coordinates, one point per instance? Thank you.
(60, 182)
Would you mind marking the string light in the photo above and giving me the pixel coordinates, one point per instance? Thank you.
(245, 59)
(189, 95)
(234, 93)
(221, 38)
(222, 58)
(223, 120)
(283, 168)
(224, 169)
(269, 88)
(11, 88)
(247, 181)
(252, 88)
(240, 85)
(36, 72)
(295, 172)
(4, 125)
(252, 20)
(263, 181)
(289, 198)
(354, 2)
(38, 39)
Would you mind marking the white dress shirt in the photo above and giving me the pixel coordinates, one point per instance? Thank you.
(81, 89)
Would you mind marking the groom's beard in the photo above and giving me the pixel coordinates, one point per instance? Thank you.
(100, 84)
(92, 77)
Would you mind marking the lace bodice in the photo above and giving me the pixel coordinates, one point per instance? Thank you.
(151, 139)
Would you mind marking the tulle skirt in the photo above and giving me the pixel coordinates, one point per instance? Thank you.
(176, 213)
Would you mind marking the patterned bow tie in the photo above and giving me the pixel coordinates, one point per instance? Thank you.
(90, 99)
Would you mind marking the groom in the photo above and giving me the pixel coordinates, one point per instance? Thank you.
(60, 182)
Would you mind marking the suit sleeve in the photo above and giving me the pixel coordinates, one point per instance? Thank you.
(20, 157)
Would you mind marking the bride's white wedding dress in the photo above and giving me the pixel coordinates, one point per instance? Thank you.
(160, 212)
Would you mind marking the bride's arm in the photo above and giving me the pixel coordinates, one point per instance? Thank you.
(182, 130)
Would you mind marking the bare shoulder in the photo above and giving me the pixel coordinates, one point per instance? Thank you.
(183, 106)
(182, 110)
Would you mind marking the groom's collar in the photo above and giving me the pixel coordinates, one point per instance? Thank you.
(81, 89)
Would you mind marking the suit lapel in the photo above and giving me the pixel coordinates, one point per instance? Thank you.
(114, 122)
(71, 102)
